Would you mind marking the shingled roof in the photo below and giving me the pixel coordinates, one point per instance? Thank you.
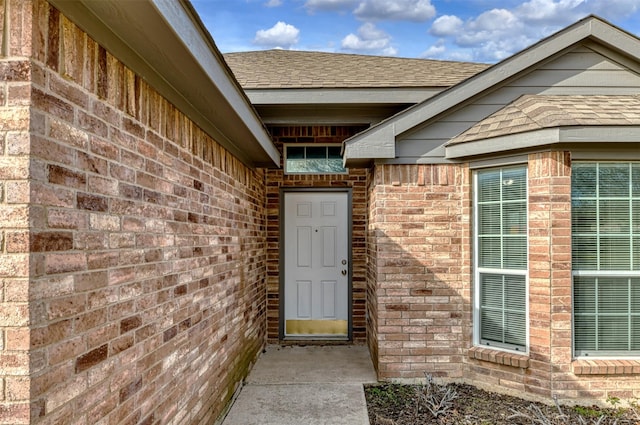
(281, 69)
(535, 112)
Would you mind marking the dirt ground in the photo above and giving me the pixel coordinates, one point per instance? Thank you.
(394, 404)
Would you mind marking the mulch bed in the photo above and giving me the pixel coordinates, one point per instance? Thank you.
(395, 404)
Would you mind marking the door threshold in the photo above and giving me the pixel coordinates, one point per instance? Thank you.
(320, 338)
(302, 341)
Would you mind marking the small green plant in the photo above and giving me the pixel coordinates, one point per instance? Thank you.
(588, 412)
(634, 408)
(389, 394)
(613, 400)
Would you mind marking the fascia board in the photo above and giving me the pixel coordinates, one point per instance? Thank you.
(587, 135)
(600, 134)
(502, 144)
(342, 96)
(164, 42)
(380, 144)
(616, 38)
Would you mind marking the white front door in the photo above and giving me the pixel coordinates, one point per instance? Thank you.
(316, 268)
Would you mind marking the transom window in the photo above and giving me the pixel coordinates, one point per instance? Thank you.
(605, 213)
(313, 159)
(501, 258)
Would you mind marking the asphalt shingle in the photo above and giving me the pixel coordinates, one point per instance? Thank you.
(281, 69)
(535, 112)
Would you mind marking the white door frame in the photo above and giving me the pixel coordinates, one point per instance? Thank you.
(281, 265)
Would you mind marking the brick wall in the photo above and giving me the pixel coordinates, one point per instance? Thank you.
(14, 219)
(373, 200)
(419, 280)
(419, 270)
(142, 256)
(356, 179)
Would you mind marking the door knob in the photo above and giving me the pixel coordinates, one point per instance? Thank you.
(344, 272)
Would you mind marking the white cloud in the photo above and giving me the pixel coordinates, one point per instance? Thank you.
(369, 40)
(491, 36)
(559, 13)
(498, 33)
(273, 3)
(281, 35)
(446, 25)
(396, 10)
(462, 56)
(614, 9)
(436, 51)
(329, 5)
(550, 11)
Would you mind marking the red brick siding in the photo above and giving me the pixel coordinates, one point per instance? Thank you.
(420, 283)
(15, 213)
(372, 270)
(276, 179)
(146, 273)
(420, 260)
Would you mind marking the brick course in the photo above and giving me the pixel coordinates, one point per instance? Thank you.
(133, 254)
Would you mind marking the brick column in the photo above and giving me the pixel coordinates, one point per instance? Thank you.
(15, 213)
(419, 281)
(549, 267)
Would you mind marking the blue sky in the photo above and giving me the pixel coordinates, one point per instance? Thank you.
(467, 30)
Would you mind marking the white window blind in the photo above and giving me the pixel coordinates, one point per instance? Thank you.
(501, 257)
(605, 210)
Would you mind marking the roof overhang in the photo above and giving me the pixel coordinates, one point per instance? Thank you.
(362, 148)
(547, 137)
(335, 106)
(165, 43)
(324, 96)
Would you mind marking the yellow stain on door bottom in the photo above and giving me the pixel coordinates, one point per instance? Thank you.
(316, 327)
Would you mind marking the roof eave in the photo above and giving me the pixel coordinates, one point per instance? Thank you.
(340, 95)
(165, 43)
(381, 141)
(546, 137)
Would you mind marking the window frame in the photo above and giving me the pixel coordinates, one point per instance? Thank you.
(478, 270)
(598, 273)
(286, 146)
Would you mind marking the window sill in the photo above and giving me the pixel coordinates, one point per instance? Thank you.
(499, 357)
(605, 367)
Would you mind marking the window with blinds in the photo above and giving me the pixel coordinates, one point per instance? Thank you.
(605, 219)
(501, 257)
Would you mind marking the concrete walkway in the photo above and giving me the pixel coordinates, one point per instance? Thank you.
(309, 385)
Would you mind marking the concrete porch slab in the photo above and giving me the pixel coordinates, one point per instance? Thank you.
(312, 385)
